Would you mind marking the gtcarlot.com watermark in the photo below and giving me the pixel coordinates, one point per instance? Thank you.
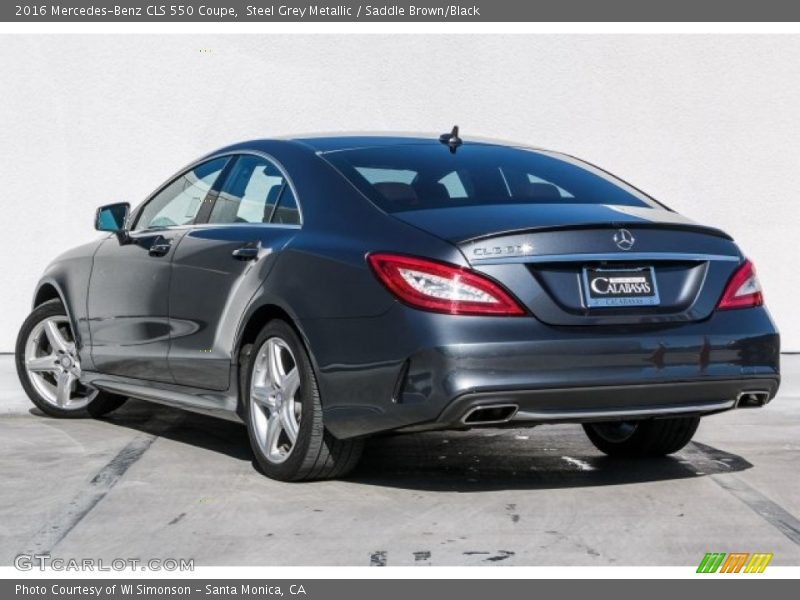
(43, 562)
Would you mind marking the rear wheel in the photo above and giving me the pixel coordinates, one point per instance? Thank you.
(655, 437)
(49, 367)
(284, 412)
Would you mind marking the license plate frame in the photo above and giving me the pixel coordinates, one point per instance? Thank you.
(629, 280)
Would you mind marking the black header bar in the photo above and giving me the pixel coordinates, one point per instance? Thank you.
(403, 11)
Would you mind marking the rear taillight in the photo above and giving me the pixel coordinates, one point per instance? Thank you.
(743, 289)
(442, 287)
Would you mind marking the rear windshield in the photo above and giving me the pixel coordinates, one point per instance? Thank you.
(425, 176)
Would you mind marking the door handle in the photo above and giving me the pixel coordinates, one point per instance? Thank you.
(160, 246)
(248, 251)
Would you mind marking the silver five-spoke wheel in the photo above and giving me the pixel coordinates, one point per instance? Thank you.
(275, 406)
(284, 410)
(53, 366)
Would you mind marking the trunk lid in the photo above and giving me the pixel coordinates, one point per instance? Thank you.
(466, 223)
(585, 265)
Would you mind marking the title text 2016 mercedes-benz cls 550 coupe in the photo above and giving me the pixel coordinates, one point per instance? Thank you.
(326, 289)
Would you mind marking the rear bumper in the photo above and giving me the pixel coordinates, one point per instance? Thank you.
(605, 403)
(409, 370)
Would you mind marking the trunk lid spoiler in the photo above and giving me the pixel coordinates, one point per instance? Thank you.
(465, 224)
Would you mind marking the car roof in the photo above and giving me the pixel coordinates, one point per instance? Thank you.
(344, 142)
(335, 142)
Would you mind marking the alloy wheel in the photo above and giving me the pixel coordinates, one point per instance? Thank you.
(53, 366)
(275, 406)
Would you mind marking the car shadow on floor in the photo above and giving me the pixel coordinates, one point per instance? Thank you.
(201, 431)
(534, 458)
(547, 457)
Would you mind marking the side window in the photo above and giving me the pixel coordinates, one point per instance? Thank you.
(250, 193)
(179, 202)
(287, 212)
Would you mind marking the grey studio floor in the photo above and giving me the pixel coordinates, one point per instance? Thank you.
(153, 482)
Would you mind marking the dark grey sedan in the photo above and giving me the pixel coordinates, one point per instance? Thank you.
(323, 290)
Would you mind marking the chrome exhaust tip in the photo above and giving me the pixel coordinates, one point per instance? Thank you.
(490, 414)
(752, 399)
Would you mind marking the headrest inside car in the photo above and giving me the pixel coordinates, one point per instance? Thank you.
(397, 192)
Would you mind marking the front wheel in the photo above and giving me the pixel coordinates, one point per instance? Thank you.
(49, 367)
(284, 412)
(655, 437)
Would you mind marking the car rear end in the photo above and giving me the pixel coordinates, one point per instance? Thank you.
(575, 302)
(675, 327)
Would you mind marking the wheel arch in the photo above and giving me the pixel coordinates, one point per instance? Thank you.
(45, 292)
(256, 321)
(257, 318)
(48, 289)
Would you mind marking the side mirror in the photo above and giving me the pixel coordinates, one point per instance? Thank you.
(112, 217)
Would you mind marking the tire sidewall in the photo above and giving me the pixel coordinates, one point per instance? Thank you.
(651, 438)
(51, 308)
(309, 399)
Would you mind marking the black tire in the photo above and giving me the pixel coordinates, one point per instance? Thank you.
(633, 439)
(316, 453)
(103, 402)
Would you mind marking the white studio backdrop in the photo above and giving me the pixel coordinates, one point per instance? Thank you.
(708, 124)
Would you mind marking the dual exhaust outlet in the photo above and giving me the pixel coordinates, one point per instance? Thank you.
(490, 414)
(752, 399)
(494, 414)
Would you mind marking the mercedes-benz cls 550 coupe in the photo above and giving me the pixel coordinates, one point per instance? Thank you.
(323, 290)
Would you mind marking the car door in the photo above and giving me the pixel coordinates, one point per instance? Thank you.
(220, 264)
(129, 286)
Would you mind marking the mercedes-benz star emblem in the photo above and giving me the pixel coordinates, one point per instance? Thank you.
(624, 239)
